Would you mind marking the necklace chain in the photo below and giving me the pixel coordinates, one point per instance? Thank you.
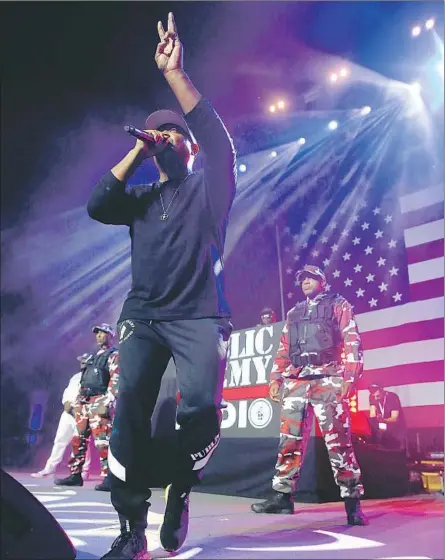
(164, 215)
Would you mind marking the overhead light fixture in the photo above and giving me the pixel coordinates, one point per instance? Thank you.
(429, 24)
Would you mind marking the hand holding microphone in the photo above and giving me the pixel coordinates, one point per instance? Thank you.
(150, 142)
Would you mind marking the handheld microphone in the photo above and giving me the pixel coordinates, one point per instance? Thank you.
(140, 134)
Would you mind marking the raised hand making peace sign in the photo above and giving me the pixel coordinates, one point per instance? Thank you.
(168, 55)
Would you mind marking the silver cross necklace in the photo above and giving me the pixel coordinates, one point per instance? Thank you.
(164, 215)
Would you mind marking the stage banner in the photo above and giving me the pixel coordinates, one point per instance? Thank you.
(249, 413)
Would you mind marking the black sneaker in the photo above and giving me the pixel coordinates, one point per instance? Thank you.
(129, 545)
(354, 512)
(104, 486)
(279, 503)
(71, 480)
(176, 519)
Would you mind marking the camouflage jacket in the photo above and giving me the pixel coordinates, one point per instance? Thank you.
(351, 367)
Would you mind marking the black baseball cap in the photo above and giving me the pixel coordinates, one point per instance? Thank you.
(166, 120)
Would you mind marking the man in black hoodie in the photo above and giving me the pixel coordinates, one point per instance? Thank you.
(176, 307)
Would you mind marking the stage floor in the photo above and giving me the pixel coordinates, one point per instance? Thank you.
(224, 527)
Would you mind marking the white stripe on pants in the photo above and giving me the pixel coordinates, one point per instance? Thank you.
(64, 435)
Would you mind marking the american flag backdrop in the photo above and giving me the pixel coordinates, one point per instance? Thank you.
(387, 258)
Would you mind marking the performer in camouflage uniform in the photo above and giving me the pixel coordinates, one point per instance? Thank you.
(318, 363)
(94, 407)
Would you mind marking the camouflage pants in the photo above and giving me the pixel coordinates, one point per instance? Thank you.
(90, 422)
(332, 414)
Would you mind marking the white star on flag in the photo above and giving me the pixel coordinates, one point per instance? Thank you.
(388, 219)
(364, 258)
(397, 297)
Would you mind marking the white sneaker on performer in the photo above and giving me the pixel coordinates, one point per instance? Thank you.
(42, 473)
(85, 475)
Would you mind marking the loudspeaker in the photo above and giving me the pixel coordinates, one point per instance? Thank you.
(28, 530)
(384, 472)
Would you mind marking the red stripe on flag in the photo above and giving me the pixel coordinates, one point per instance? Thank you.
(406, 374)
(408, 332)
(421, 417)
(415, 417)
(425, 251)
(394, 376)
(423, 215)
(427, 290)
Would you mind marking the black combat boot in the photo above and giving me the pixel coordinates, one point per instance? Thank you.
(104, 486)
(174, 528)
(279, 503)
(71, 480)
(131, 544)
(354, 512)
